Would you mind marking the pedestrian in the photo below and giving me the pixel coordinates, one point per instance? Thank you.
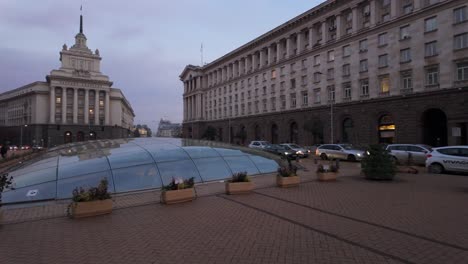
(4, 150)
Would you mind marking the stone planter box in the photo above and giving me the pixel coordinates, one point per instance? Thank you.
(285, 182)
(93, 208)
(327, 176)
(178, 196)
(238, 187)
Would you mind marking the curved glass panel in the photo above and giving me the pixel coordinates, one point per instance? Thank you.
(81, 167)
(44, 191)
(27, 179)
(119, 159)
(229, 152)
(136, 178)
(178, 169)
(65, 186)
(263, 164)
(212, 169)
(241, 164)
(166, 152)
(201, 152)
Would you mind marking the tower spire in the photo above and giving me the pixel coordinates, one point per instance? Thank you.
(81, 19)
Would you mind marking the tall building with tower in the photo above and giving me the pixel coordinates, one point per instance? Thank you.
(75, 103)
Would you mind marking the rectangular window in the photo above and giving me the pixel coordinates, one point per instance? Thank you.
(304, 80)
(293, 100)
(331, 93)
(430, 49)
(293, 65)
(273, 103)
(273, 88)
(460, 15)
(404, 32)
(346, 51)
(317, 96)
(282, 85)
(384, 84)
(432, 75)
(264, 90)
(282, 70)
(305, 98)
(304, 64)
(347, 91)
(382, 39)
(461, 41)
(264, 76)
(346, 70)
(330, 74)
(430, 24)
(317, 60)
(407, 8)
(365, 87)
(405, 55)
(265, 105)
(317, 76)
(462, 71)
(331, 55)
(383, 60)
(363, 66)
(406, 80)
(363, 45)
(283, 102)
(293, 83)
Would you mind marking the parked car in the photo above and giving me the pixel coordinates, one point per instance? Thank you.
(300, 151)
(13, 147)
(339, 151)
(259, 144)
(453, 158)
(281, 150)
(37, 148)
(25, 147)
(402, 152)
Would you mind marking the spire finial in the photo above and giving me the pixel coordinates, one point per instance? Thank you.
(81, 19)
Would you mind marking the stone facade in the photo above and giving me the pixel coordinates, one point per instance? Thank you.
(76, 103)
(345, 71)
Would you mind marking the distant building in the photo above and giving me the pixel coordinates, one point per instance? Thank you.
(168, 129)
(76, 103)
(358, 71)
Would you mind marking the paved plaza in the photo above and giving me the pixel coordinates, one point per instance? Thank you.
(418, 218)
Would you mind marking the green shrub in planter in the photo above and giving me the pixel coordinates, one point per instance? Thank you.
(378, 164)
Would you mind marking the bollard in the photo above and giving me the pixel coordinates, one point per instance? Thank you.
(337, 163)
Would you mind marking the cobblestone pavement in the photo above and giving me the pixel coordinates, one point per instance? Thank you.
(415, 219)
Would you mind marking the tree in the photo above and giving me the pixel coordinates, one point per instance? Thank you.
(378, 164)
(210, 133)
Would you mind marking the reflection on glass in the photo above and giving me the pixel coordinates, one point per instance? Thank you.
(229, 152)
(212, 169)
(128, 159)
(240, 164)
(201, 152)
(136, 178)
(178, 169)
(21, 180)
(45, 191)
(172, 153)
(264, 165)
(65, 186)
(82, 167)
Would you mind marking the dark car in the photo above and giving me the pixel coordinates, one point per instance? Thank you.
(281, 150)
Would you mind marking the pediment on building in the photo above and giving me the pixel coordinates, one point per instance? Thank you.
(189, 69)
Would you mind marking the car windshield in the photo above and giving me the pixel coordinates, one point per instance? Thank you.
(427, 147)
(294, 146)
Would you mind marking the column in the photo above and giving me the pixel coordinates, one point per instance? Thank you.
(107, 107)
(324, 32)
(86, 107)
(270, 55)
(239, 69)
(96, 107)
(254, 61)
(278, 50)
(262, 58)
(228, 71)
(299, 42)
(311, 37)
(52, 105)
(373, 13)
(64, 105)
(394, 8)
(339, 26)
(75, 106)
(288, 47)
(355, 11)
(199, 106)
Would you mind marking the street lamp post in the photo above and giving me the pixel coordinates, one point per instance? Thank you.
(21, 137)
(331, 120)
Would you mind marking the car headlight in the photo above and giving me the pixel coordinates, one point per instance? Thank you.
(300, 152)
(359, 154)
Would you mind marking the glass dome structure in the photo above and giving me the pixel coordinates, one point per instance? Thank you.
(131, 165)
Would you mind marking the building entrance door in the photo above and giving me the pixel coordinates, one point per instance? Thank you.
(435, 128)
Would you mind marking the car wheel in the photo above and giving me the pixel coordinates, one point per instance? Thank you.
(351, 158)
(436, 168)
(323, 156)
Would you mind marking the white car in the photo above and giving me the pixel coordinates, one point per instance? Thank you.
(259, 144)
(300, 151)
(453, 158)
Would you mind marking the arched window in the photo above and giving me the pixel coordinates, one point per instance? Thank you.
(434, 127)
(274, 134)
(257, 132)
(92, 135)
(68, 137)
(294, 133)
(347, 130)
(80, 136)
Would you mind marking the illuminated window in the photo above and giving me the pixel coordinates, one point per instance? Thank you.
(385, 84)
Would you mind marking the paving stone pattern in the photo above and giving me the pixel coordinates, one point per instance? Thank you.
(416, 219)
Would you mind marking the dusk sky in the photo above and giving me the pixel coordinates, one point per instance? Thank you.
(145, 45)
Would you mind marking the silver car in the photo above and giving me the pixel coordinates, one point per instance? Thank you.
(339, 151)
(409, 153)
(259, 144)
(453, 158)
